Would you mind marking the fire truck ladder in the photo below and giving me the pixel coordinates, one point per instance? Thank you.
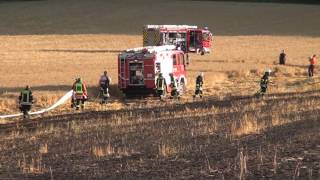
(122, 72)
(152, 49)
(153, 26)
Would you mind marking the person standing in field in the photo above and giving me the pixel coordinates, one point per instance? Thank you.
(105, 80)
(313, 61)
(264, 83)
(282, 58)
(174, 86)
(79, 94)
(199, 83)
(25, 101)
(104, 83)
(161, 86)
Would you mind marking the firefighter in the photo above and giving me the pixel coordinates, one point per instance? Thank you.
(160, 85)
(25, 101)
(104, 83)
(79, 94)
(282, 58)
(313, 62)
(199, 83)
(174, 87)
(183, 46)
(178, 46)
(264, 82)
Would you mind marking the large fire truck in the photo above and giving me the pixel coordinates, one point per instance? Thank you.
(139, 68)
(188, 38)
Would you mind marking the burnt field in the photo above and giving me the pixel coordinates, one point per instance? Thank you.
(238, 137)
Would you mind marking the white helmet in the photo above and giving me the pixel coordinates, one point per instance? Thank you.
(201, 74)
(268, 71)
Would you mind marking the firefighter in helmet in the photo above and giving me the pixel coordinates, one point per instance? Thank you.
(161, 85)
(25, 101)
(199, 83)
(174, 86)
(104, 83)
(264, 82)
(79, 94)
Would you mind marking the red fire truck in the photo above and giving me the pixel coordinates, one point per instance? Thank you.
(188, 38)
(139, 68)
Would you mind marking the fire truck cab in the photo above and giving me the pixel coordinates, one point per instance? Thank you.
(187, 38)
(139, 68)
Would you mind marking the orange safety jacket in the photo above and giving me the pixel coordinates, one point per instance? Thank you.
(313, 60)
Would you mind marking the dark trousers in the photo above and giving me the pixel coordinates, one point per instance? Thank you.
(263, 89)
(79, 102)
(310, 70)
(198, 90)
(76, 103)
(160, 92)
(25, 109)
(174, 93)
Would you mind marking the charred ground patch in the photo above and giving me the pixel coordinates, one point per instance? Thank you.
(274, 137)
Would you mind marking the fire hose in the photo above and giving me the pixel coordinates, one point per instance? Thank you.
(59, 102)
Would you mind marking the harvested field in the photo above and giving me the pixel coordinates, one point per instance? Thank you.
(241, 137)
(50, 63)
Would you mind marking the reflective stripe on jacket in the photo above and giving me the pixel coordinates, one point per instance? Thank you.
(173, 83)
(160, 83)
(199, 82)
(264, 82)
(26, 98)
(199, 86)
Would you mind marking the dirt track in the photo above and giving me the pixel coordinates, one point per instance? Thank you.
(197, 139)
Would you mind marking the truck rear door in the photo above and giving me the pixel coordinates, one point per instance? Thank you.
(136, 73)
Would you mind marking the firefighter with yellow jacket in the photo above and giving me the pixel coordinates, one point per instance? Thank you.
(79, 94)
(25, 101)
(161, 86)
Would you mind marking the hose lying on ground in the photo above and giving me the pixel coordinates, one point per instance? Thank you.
(59, 102)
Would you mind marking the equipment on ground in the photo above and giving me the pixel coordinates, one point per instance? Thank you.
(139, 68)
(185, 37)
(104, 92)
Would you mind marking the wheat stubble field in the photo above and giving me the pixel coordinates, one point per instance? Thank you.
(227, 135)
